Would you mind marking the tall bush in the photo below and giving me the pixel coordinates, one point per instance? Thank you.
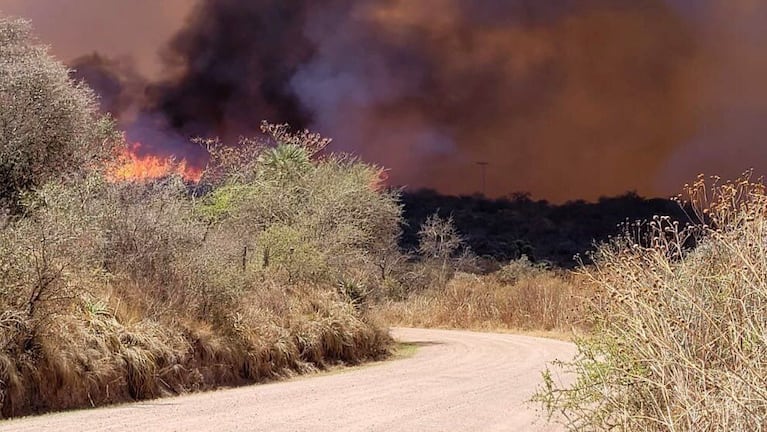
(303, 218)
(49, 124)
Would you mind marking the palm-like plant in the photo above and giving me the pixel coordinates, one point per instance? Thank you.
(285, 162)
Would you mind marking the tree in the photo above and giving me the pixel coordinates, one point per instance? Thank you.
(49, 124)
(440, 244)
(438, 239)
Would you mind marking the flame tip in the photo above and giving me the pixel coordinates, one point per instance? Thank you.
(131, 166)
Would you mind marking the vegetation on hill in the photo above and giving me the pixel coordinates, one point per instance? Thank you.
(509, 228)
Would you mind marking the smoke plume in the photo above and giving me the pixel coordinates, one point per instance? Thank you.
(731, 101)
(580, 99)
(567, 99)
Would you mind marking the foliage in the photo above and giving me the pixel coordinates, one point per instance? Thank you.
(280, 134)
(438, 239)
(284, 163)
(520, 269)
(49, 125)
(442, 252)
(307, 221)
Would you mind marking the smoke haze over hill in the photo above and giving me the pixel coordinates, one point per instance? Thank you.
(568, 99)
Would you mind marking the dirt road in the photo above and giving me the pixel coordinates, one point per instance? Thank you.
(456, 381)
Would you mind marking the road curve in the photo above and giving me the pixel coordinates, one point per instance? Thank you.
(456, 381)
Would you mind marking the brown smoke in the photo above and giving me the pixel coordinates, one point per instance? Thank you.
(566, 99)
(581, 100)
(732, 95)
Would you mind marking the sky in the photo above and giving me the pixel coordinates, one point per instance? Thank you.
(582, 99)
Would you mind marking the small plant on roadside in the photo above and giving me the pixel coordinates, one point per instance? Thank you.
(356, 292)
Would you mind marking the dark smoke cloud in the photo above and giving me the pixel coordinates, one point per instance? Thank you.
(566, 99)
(231, 67)
(561, 98)
(124, 93)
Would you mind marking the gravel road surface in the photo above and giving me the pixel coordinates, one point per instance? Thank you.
(456, 381)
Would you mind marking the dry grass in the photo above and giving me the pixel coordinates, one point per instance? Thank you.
(681, 343)
(105, 352)
(544, 302)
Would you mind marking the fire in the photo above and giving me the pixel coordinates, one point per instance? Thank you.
(133, 166)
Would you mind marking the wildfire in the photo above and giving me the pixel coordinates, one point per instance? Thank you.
(133, 166)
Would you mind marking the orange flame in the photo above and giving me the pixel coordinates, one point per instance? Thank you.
(131, 166)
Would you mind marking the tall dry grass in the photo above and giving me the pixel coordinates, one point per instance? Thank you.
(102, 352)
(681, 340)
(518, 297)
(445, 288)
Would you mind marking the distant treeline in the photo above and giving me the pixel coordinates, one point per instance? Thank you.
(507, 228)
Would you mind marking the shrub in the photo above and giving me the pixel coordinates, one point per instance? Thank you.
(49, 125)
(680, 337)
(306, 220)
(438, 239)
(519, 269)
(117, 290)
(441, 253)
(113, 291)
(284, 163)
